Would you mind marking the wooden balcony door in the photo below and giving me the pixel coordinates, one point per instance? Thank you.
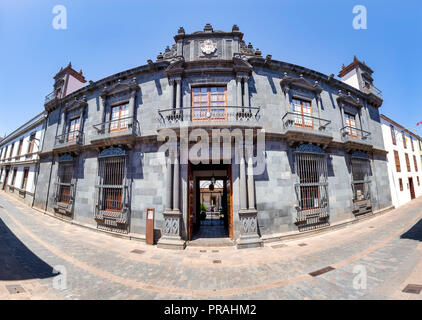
(6, 177)
(412, 189)
(303, 113)
(73, 132)
(350, 123)
(209, 103)
(119, 117)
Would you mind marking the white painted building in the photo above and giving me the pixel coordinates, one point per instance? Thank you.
(19, 158)
(404, 161)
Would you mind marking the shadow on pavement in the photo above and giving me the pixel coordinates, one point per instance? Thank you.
(17, 262)
(414, 233)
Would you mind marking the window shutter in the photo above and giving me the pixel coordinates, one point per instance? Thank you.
(397, 160)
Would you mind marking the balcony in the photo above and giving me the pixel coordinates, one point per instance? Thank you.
(70, 141)
(356, 139)
(298, 127)
(210, 116)
(118, 131)
(51, 101)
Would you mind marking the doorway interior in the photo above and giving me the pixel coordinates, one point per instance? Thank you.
(412, 189)
(210, 203)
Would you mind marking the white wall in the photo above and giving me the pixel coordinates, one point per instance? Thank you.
(401, 197)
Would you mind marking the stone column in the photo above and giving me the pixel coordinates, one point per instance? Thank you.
(132, 105)
(176, 182)
(251, 190)
(171, 230)
(178, 83)
(103, 104)
(246, 98)
(168, 185)
(242, 181)
(173, 92)
(249, 236)
(239, 91)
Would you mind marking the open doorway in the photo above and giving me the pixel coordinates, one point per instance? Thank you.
(210, 203)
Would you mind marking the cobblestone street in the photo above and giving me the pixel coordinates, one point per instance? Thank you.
(373, 259)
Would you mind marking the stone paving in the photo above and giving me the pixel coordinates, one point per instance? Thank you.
(373, 259)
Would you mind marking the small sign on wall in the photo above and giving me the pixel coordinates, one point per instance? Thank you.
(149, 224)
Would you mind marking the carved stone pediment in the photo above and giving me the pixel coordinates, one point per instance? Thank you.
(120, 86)
(348, 99)
(241, 65)
(177, 65)
(301, 83)
(75, 104)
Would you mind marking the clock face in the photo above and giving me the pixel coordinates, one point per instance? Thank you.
(208, 47)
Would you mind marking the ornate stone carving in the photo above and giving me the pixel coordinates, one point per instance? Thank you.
(360, 154)
(65, 158)
(112, 152)
(208, 47)
(309, 148)
(249, 237)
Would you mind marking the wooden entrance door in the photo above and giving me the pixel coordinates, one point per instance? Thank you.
(412, 189)
(5, 179)
(230, 201)
(191, 191)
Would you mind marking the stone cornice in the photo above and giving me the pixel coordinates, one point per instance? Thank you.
(309, 73)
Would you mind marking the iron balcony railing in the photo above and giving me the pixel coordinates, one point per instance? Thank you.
(350, 133)
(374, 90)
(298, 120)
(71, 137)
(50, 96)
(122, 125)
(210, 115)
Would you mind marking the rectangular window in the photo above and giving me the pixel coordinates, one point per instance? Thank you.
(119, 117)
(11, 150)
(350, 124)
(5, 152)
(303, 113)
(209, 103)
(311, 190)
(393, 135)
(31, 143)
(25, 178)
(360, 183)
(73, 132)
(404, 139)
(397, 160)
(65, 182)
(112, 172)
(407, 162)
(411, 143)
(417, 178)
(15, 171)
(20, 147)
(416, 165)
(401, 184)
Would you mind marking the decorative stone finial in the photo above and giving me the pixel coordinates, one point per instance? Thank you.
(235, 28)
(160, 56)
(258, 52)
(181, 30)
(208, 28)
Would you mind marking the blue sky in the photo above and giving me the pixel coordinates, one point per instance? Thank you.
(105, 37)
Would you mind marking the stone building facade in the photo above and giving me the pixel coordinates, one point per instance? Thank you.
(127, 143)
(19, 158)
